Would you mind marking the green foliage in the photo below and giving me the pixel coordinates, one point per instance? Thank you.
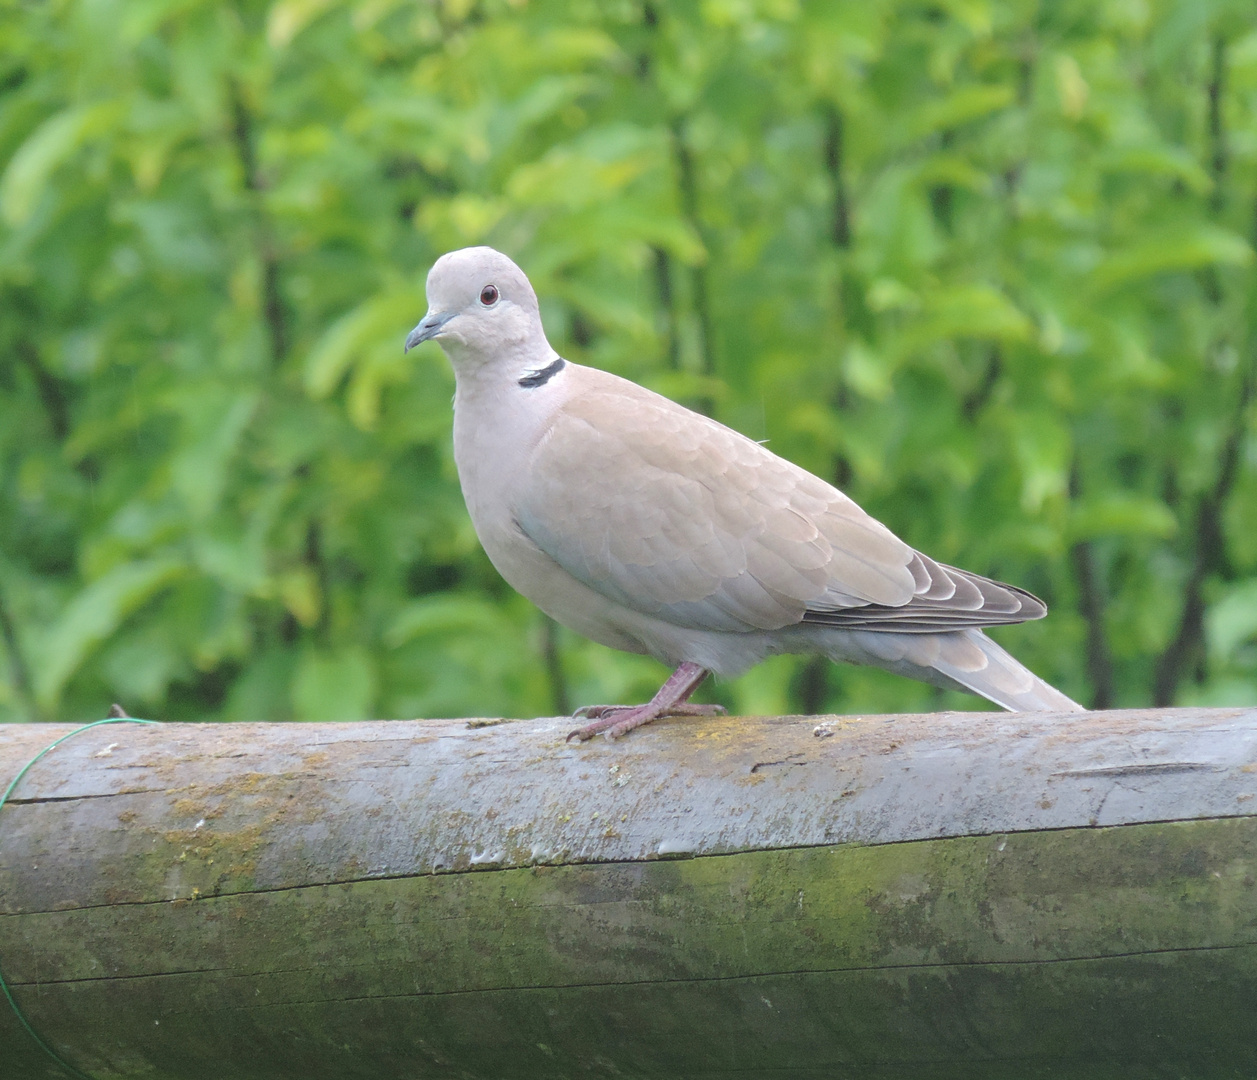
(986, 265)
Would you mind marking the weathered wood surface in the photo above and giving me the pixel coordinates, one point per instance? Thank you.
(954, 895)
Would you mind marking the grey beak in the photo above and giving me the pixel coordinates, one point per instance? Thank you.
(428, 328)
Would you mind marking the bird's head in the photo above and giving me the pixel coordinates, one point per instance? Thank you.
(481, 308)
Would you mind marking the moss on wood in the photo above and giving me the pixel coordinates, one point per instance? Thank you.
(433, 900)
(1070, 948)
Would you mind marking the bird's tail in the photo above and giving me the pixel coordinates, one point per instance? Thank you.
(960, 659)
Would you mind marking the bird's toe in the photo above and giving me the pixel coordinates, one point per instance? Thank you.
(689, 708)
(615, 720)
(595, 712)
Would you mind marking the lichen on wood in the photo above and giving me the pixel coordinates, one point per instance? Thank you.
(913, 896)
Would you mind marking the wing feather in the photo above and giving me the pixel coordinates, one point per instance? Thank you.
(672, 514)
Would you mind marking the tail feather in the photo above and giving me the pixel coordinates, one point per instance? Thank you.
(962, 659)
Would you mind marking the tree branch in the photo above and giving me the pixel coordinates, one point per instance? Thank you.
(314, 558)
(812, 685)
(840, 225)
(273, 311)
(1092, 602)
(687, 187)
(977, 398)
(942, 196)
(52, 394)
(687, 192)
(667, 307)
(1217, 132)
(553, 657)
(1187, 647)
(835, 154)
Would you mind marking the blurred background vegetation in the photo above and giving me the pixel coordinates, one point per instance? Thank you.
(988, 266)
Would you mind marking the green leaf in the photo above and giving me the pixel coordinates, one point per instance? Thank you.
(288, 18)
(94, 614)
(382, 321)
(970, 311)
(51, 144)
(1121, 514)
(1043, 447)
(1232, 620)
(1175, 162)
(1173, 249)
(961, 106)
(438, 616)
(335, 686)
(216, 419)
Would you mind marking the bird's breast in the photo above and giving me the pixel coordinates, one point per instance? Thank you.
(492, 445)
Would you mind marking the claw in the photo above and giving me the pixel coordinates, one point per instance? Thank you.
(593, 712)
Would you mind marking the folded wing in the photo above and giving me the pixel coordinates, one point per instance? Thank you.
(672, 514)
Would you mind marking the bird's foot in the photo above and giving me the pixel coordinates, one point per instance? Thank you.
(617, 720)
(681, 708)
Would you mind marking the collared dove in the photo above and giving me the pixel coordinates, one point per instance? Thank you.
(653, 529)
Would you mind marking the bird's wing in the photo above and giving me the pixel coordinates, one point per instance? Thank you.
(672, 514)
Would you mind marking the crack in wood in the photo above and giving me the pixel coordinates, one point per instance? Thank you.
(788, 760)
(1156, 768)
(32, 800)
(119, 978)
(646, 858)
(700, 980)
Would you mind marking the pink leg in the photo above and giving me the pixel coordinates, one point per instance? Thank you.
(616, 720)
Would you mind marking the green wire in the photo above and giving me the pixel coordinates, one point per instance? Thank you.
(4, 986)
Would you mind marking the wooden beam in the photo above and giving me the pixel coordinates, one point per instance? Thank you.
(951, 895)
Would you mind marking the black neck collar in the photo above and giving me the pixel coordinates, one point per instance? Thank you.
(539, 378)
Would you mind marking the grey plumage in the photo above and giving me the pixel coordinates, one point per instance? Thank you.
(654, 529)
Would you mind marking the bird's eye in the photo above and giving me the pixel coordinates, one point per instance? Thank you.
(489, 295)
